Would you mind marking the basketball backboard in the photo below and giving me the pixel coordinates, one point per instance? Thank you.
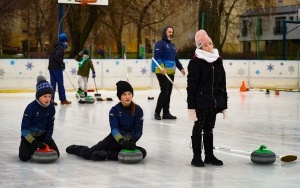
(92, 2)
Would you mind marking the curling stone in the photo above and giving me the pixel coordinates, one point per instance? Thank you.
(89, 99)
(130, 156)
(263, 156)
(46, 155)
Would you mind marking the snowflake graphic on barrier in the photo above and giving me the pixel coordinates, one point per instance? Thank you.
(12, 62)
(29, 66)
(129, 69)
(117, 63)
(2, 72)
(73, 71)
(257, 72)
(241, 71)
(144, 71)
(270, 67)
(291, 69)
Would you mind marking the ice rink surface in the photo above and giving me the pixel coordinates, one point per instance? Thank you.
(254, 119)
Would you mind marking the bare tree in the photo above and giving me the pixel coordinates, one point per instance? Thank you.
(81, 20)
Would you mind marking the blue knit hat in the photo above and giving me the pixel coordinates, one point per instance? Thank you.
(86, 52)
(63, 37)
(43, 87)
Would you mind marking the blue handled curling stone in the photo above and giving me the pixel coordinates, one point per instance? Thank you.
(263, 156)
(46, 155)
(130, 156)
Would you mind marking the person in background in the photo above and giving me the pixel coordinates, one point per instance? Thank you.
(126, 123)
(206, 97)
(85, 64)
(38, 122)
(166, 56)
(56, 67)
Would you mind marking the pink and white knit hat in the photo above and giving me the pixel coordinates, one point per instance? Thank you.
(201, 38)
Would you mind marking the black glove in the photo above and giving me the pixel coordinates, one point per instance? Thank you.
(38, 145)
(63, 66)
(127, 144)
(94, 75)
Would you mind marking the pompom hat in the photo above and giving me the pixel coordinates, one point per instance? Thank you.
(43, 87)
(123, 86)
(201, 38)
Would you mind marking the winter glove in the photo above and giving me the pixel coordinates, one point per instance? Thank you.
(94, 75)
(63, 66)
(80, 53)
(127, 144)
(224, 112)
(192, 114)
(38, 145)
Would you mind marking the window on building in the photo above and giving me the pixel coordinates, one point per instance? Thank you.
(277, 30)
(246, 47)
(244, 28)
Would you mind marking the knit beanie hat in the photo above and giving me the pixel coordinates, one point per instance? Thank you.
(63, 37)
(201, 38)
(123, 86)
(43, 87)
(85, 52)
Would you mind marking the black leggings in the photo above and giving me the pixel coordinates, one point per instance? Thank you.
(26, 150)
(206, 120)
(163, 101)
(108, 144)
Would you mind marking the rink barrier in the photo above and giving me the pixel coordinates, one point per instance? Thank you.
(19, 75)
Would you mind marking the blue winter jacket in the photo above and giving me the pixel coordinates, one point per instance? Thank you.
(166, 56)
(37, 120)
(125, 125)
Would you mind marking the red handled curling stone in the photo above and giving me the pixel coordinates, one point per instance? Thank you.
(263, 156)
(130, 156)
(46, 155)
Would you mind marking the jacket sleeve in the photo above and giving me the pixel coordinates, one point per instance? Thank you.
(223, 84)
(178, 64)
(192, 83)
(26, 122)
(139, 123)
(50, 124)
(113, 122)
(158, 50)
(92, 66)
(59, 55)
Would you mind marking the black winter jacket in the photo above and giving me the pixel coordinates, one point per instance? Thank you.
(56, 57)
(206, 84)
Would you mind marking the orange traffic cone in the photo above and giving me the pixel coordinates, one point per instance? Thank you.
(243, 87)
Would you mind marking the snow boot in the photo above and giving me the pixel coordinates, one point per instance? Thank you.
(208, 147)
(196, 144)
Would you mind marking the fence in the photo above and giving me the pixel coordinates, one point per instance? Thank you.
(18, 75)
